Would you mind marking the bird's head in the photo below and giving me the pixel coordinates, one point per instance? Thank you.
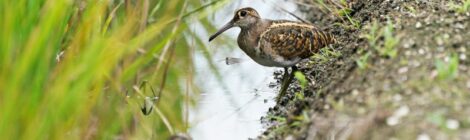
(243, 18)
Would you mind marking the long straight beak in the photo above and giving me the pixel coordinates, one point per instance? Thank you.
(221, 30)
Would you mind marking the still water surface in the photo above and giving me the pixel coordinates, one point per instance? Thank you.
(232, 108)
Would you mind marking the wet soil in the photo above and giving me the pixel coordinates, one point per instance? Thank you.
(400, 70)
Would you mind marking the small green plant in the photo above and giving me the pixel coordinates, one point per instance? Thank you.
(447, 70)
(340, 10)
(343, 2)
(280, 128)
(303, 84)
(353, 22)
(331, 52)
(388, 49)
(283, 126)
(326, 54)
(362, 61)
(373, 34)
(344, 12)
(279, 119)
(322, 3)
(411, 9)
(298, 121)
(390, 41)
(437, 118)
(460, 8)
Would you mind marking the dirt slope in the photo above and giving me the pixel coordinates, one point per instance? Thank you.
(401, 70)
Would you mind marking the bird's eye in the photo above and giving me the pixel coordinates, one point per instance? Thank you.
(243, 13)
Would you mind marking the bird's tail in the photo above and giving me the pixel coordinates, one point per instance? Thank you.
(325, 38)
(330, 38)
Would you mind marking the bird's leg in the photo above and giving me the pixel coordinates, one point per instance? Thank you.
(286, 79)
(283, 85)
(294, 69)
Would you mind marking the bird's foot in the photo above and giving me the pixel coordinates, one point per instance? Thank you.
(286, 80)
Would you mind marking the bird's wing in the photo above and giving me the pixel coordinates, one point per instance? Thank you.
(296, 40)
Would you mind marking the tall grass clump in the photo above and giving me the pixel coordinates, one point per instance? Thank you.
(72, 69)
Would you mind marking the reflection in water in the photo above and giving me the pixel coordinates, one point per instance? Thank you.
(231, 109)
(232, 60)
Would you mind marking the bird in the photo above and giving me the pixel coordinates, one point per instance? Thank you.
(276, 43)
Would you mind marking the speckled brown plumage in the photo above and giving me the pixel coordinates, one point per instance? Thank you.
(292, 41)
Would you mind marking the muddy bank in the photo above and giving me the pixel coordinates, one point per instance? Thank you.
(400, 70)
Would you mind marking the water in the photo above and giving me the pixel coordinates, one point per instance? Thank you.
(231, 108)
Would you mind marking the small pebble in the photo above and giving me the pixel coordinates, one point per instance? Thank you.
(397, 115)
(452, 124)
(403, 70)
(459, 26)
(433, 74)
(290, 137)
(415, 63)
(462, 49)
(446, 36)
(423, 137)
(397, 97)
(439, 41)
(468, 84)
(407, 53)
(326, 107)
(355, 92)
(462, 57)
(446, 59)
(421, 51)
(402, 111)
(428, 56)
(418, 25)
(392, 121)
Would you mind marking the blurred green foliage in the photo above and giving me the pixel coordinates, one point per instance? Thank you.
(71, 69)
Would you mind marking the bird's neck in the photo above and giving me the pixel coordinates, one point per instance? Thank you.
(256, 28)
(250, 35)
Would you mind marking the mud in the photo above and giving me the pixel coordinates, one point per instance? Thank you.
(416, 89)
